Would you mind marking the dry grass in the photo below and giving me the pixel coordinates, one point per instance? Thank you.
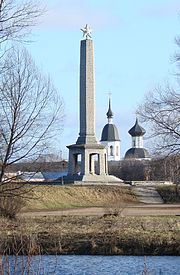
(94, 235)
(58, 197)
(110, 234)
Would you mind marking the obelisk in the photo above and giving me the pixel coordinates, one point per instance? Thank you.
(87, 158)
(87, 93)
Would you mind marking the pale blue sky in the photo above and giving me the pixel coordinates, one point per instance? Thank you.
(134, 45)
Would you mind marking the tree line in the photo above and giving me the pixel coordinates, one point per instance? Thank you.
(156, 169)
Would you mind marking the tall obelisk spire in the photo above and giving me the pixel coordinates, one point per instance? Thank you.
(87, 90)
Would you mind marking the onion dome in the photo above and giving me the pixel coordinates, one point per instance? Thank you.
(139, 153)
(137, 130)
(110, 132)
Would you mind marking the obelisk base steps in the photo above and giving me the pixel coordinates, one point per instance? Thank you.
(93, 180)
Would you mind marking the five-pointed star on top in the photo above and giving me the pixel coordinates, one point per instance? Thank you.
(87, 31)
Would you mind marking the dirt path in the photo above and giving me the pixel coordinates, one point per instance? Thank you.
(134, 210)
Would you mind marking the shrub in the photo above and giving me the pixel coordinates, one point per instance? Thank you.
(169, 194)
(10, 206)
(12, 199)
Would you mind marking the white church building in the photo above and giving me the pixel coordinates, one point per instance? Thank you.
(110, 137)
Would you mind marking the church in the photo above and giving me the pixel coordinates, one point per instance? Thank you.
(137, 151)
(110, 139)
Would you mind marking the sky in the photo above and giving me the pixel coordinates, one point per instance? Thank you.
(134, 44)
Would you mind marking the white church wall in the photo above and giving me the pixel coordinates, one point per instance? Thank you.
(113, 149)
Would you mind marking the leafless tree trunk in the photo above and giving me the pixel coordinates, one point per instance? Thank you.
(31, 111)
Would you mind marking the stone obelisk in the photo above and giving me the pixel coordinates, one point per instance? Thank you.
(87, 158)
(87, 93)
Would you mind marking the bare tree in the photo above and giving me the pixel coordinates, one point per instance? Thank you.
(17, 18)
(161, 111)
(129, 169)
(29, 104)
(31, 111)
(167, 169)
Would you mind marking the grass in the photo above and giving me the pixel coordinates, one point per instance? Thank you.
(105, 235)
(109, 234)
(58, 197)
(170, 194)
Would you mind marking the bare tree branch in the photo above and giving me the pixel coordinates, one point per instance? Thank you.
(17, 18)
(161, 111)
(31, 111)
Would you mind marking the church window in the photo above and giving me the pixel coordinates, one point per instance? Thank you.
(111, 150)
(117, 151)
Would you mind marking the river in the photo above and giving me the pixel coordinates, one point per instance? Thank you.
(94, 265)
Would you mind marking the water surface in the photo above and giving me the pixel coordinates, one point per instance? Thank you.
(96, 265)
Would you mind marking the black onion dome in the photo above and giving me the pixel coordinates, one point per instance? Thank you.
(140, 153)
(137, 130)
(109, 112)
(110, 133)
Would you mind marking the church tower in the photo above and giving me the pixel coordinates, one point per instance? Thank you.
(137, 151)
(110, 137)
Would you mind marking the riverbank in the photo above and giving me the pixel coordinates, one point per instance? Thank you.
(110, 234)
(93, 220)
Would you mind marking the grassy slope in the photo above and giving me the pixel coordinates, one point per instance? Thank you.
(57, 197)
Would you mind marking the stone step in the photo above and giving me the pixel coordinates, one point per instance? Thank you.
(147, 194)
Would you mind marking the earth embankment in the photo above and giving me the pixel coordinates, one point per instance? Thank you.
(52, 197)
